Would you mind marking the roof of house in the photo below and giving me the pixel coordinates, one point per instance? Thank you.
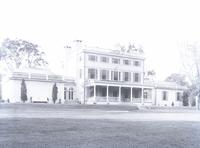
(164, 85)
(112, 52)
(38, 74)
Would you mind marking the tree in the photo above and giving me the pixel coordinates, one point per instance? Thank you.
(191, 66)
(178, 79)
(23, 91)
(18, 53)
(54, 93)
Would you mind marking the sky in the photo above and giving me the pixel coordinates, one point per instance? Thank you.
(161, 27)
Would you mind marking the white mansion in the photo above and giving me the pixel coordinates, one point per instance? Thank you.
(113, 77)
(100, 76)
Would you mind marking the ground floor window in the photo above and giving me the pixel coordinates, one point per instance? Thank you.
(137, 92)
(65, 93)
(147, 93)
(71, 91)
(101, 91)
(178, 96)
(164, 95)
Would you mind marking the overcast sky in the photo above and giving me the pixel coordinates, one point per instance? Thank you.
(159, 26)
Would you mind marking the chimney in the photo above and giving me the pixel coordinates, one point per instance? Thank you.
(78, 45)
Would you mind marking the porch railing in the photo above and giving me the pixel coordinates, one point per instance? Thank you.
(125, 99)
(137, 100)
(101, 99)
(148, 100)
(113, 99)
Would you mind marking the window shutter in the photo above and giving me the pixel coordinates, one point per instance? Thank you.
(96, 74)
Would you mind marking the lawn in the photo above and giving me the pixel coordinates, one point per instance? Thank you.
(52, 132)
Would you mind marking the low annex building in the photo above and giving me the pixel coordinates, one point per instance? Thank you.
(39, 83)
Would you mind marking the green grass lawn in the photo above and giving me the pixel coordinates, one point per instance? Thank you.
(28, 132)
(36, 133)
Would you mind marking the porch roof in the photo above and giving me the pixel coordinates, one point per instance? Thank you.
(146, 84)
(116, 83)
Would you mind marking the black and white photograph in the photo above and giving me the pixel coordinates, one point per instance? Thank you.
(99, 74)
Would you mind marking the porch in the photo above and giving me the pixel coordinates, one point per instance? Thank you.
(118, 94)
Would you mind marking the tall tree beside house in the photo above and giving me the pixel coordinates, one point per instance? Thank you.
(190, 56)
(54, 93)
(178, 79)
(18, 53)
(23, 91)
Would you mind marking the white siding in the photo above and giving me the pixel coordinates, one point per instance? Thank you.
(170, 98)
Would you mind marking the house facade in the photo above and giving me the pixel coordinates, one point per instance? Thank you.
(94, 76)
(114, 77)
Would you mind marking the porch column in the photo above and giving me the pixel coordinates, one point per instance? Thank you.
(131, 94)
(118, 75)
(107, 99)
(142, 96)
(95, 93)
(119, 93)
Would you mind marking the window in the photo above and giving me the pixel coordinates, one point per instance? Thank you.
(126, 76)
(92, 73)
(115, 61)
(104, 75)
(80, 73)
(136, 77)
(104, 59)
(92, 58)
(71, 91)
(178, 96)
(126, 62)
(114, 75)
(147, 93)
(136, 63)
(65, 93)
(164, 95)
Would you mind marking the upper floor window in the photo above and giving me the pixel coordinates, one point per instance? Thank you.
(164, 95)
(92, 58)
(104, 75)
(115, 61)
(115, 76)
(178, 96)
(105, 59)
(126, 62)
(136, 63)
(80, 73)
(127, 76)
(136, 77)
(92, 73)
